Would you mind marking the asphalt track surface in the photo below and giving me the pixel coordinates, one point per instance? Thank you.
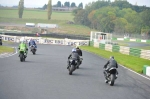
(44, 76)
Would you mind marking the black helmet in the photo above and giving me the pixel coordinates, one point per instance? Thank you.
(111, 57)
(77, 47)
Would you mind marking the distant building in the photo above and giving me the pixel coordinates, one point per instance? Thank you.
(63, 8)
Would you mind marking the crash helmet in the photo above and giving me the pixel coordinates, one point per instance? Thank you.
(22, 41)
(111, 57)
(77, 47)
(73, 50)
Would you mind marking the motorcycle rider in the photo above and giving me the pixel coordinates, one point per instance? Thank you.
(23, 45)
(74, 55)
(79, 51)
(110, 63)
(32, 42)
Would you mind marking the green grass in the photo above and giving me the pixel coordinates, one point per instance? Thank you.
(4, 49)
(131, 62)
(40, 16)
(34, 14)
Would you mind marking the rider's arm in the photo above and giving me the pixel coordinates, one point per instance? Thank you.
(19, 46)
(81, 52)
(29, 43)
(105, 66)
(26, 46)
(116, 65)
(34, 43)
(69, 56)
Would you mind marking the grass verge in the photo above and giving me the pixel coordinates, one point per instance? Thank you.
(132, 62)
(4, 49)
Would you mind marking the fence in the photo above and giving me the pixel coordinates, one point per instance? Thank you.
(40, 40)
(133, 40)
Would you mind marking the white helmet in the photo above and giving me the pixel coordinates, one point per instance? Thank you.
(73, 50)
(22, 41)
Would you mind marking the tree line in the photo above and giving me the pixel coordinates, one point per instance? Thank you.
(114, 17)
(66, 4)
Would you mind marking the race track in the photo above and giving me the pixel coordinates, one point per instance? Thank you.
(44, 76)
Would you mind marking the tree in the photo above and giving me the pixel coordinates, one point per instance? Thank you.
(73, 4)
(82, 17)
(49, 9)
(80, 5)
(92, 19)
(58, 4)
(20, 8)
(121, 4)
(120, 24)
(67, 4)
(145, 15)
(44, 7)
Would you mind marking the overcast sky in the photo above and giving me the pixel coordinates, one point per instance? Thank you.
(40, 3)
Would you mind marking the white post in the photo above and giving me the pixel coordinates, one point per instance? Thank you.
(91, 36)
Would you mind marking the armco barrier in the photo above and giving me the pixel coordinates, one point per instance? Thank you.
(138, 40)
(108, 47)
(135, 52)
(146, 70)
(102, 46)
(40, 40)
(96, 44)
(124, 50)
(148, 41)
(91, 43)
(116, 48)
(133, 40)
(145, 54)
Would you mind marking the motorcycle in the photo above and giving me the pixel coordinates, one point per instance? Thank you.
(72, 67)
(80, 62)
(111, 76)
(33, 49)
(22, 55)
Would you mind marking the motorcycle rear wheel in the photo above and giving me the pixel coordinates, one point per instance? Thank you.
(112, 79)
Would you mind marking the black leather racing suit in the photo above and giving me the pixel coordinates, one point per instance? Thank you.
(74, 56)
(110, 63)
(79, 51)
